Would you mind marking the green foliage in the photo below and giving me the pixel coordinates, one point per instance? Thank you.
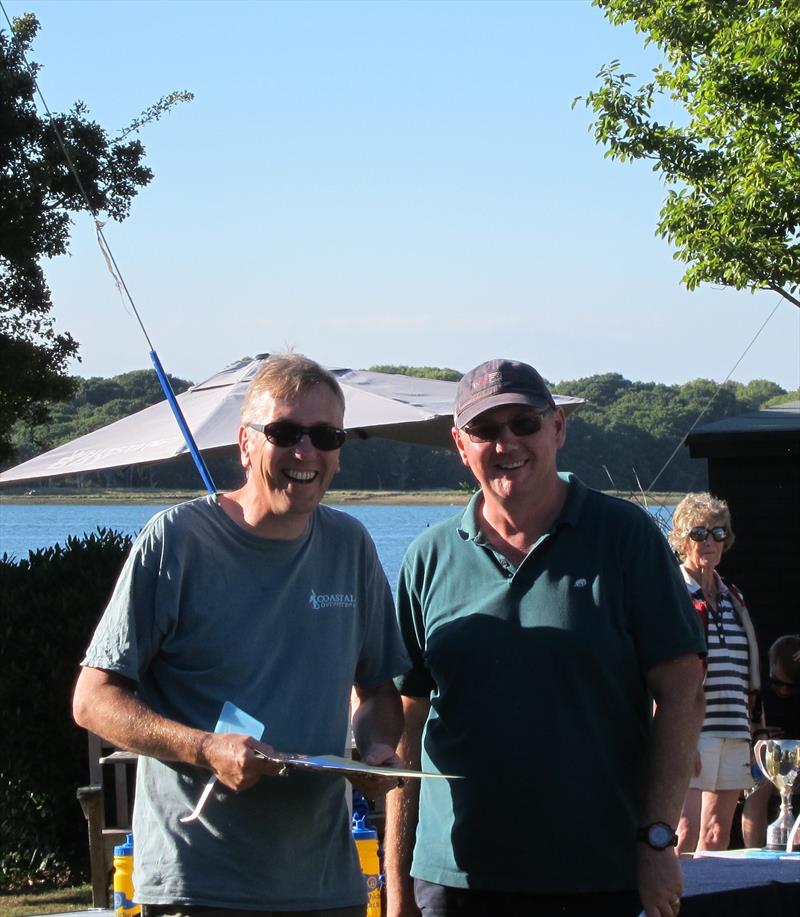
(51, 604)
(628, 430)
(382, 464)
(424, 372)
(38, 195)
(97, 401)
(785, 398)
(733, 167)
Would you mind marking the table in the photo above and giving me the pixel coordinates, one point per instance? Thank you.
(740, 887)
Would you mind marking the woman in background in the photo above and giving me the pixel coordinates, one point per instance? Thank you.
(701, 532)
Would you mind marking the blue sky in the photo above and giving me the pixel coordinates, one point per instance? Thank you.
(381, 182)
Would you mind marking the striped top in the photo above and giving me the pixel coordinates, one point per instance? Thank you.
(727, 675)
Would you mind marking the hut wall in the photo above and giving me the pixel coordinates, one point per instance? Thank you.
(763, 493)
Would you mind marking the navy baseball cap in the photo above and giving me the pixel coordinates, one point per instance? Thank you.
(499, 382)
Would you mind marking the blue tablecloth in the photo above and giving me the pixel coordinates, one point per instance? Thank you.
(716, 887)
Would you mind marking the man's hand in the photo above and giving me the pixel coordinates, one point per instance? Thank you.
(232, 759)
(377, 724)
(660, 881)
(372, 785)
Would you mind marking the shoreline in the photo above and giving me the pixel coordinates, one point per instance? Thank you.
(336, 497)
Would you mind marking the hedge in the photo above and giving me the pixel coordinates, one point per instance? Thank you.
(49, 607)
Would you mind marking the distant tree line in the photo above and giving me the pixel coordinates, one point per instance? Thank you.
(621, 437)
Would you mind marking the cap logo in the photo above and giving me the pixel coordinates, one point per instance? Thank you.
(489, 384)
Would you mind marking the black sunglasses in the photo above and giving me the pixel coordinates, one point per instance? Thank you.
(489, 431)
(701, 533)
(284, 433)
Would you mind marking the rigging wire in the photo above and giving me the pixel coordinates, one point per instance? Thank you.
(714, 395)
(119, 280)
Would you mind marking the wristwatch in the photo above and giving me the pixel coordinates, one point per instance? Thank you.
(659, 836)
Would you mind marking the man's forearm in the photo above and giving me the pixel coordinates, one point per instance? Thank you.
(402, 811)
(673, 743)
(106, 704)
(377, 718)
(677, 689)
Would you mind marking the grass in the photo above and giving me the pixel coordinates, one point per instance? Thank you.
(50, 901)
(333, 496)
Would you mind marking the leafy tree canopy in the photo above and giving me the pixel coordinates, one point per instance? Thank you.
(424, 372)
(97, 401)
(733, 168)
(38, 195)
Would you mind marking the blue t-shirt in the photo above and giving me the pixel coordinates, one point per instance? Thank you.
(204, 613)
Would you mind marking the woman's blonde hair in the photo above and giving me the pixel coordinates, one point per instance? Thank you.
(699, 509)
(285, 377)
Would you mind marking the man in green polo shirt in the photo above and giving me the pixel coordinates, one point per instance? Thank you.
(542, 624)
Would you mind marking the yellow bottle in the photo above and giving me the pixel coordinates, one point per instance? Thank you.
(366, 839)
(123, 880)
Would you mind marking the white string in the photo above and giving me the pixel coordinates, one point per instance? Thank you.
(716, 392)
(105, 248)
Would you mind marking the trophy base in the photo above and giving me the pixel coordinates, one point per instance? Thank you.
(777, 838)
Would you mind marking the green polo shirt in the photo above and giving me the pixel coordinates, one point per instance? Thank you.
(536, 680)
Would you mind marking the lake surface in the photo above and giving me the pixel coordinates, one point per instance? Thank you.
(26, 527)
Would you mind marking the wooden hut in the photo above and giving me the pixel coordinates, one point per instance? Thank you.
(754, 464)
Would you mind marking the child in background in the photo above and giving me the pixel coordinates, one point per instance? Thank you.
(781, 699)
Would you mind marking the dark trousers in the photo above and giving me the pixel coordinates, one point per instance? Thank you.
(442, 901)
(188, 910)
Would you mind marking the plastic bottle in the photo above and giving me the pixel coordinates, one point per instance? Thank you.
(123, 880)
(366, 838)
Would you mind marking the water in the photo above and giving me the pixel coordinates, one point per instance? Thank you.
(26, 527)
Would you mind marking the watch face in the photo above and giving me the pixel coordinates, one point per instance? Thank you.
(659, 836)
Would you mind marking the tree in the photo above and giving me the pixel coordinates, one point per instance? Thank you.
(38, 195)
(424, 372)
(98, 401)
(733, 168)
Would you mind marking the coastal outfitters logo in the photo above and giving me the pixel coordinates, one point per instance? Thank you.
(319, 600)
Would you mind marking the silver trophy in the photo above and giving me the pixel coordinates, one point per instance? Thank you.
(779, 759)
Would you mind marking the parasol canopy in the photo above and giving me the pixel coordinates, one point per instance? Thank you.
(388, 405)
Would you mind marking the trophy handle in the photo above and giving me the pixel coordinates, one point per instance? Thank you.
(758, 748)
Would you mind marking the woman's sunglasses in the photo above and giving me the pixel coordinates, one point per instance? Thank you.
(489, 431)
(701, 533)
(284, 433)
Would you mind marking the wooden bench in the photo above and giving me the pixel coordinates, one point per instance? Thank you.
(107, 804)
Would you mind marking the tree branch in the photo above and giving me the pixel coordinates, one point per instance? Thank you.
(784, 293)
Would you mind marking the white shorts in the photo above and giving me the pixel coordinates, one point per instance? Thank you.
(725, 765)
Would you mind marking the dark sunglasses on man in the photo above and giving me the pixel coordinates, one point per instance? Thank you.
(701, 533)
(489, 431)
(284, 433)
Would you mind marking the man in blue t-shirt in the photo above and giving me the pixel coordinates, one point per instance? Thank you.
(542, 623)
(264, 598)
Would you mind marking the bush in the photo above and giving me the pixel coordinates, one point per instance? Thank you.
(50, 604)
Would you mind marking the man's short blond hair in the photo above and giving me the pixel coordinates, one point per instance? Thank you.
(286, 377)
(699, 509)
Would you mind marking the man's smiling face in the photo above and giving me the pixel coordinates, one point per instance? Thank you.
(292, 479)
(514, 466)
